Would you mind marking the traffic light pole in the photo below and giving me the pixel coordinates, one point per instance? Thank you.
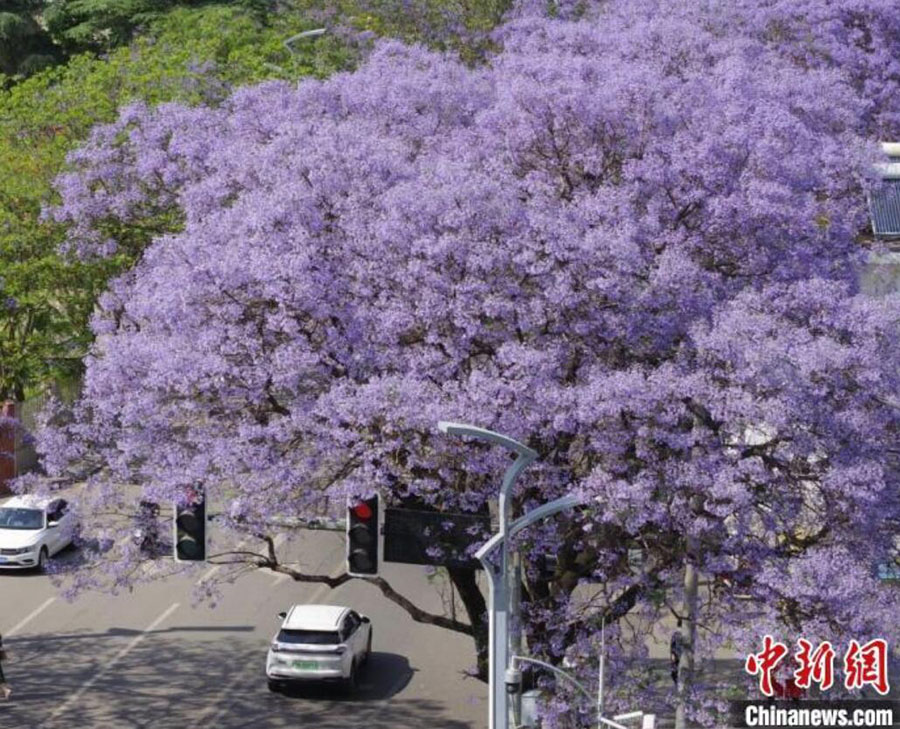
(498, 570)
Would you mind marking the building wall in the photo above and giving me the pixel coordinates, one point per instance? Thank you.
(17, 452)
(7, 447)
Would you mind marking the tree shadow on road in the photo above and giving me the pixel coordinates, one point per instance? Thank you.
(167, 681)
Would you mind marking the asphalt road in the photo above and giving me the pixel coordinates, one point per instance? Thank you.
(151, 659)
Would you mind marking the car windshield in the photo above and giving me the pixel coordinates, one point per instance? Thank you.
(309, 637)
(21, 518)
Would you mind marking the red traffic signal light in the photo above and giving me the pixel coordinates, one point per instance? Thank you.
(362, 537)
(362, 511)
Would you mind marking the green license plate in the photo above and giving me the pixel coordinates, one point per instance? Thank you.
(306, 665)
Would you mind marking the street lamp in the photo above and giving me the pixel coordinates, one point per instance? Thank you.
(305, 34)
(499, 596)
(290, 49)
(647, 721)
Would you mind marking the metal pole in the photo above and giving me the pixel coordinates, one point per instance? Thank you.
(500, 632)
(515, 633)
(500, 587)
(500, 718)
(498, 656)
(497, 605)
(688, 636)
(600, 681)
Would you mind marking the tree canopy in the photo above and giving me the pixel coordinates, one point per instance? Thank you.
(25, 46)
(630, 240)
(191, 56)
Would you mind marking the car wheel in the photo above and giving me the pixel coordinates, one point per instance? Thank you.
(351, 683)
(43, 556)
(274, 686)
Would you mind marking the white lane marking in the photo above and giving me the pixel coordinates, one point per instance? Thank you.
(112, 662)
(28, 618)
(215, 568)
(281, 578)
(209, 573)
(202, 719)
(212, 570)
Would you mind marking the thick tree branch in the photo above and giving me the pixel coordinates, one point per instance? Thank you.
(415, 612)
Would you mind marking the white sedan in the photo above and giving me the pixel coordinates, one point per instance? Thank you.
(319, 643)
(33, 529)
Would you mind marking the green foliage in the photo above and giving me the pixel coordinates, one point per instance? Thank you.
(101, 25)
(193, 56)
(457, 25)
(25, 47)
(13, 26)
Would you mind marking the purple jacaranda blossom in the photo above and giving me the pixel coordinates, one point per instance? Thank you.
(632, 240)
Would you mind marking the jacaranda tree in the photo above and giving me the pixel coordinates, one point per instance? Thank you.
(631, 240)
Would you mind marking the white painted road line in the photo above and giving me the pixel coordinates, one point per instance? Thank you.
(209, 573)
(115, 659)
(212, 570)
(28, 618)
(203, 719)
(281, 577)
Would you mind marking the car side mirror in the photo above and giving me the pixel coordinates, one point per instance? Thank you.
(282, 615)
(52, 524)
(365, 619)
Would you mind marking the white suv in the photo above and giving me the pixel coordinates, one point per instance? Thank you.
(319, 642)
(32, 529)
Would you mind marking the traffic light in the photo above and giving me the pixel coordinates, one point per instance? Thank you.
(190, 531)
(362, 537)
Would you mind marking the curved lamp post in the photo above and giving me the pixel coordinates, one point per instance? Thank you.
(499, 598)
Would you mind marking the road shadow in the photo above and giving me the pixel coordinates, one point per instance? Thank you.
(385, 675)
(66, 555)
(19, 573)
(171, 680)
(45, 639)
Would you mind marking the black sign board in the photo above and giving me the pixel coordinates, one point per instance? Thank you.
(435, 538)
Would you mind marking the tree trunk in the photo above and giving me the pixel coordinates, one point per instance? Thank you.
(476, 609)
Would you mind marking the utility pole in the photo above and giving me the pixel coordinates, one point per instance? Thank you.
(600, 684)
(688, 635)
